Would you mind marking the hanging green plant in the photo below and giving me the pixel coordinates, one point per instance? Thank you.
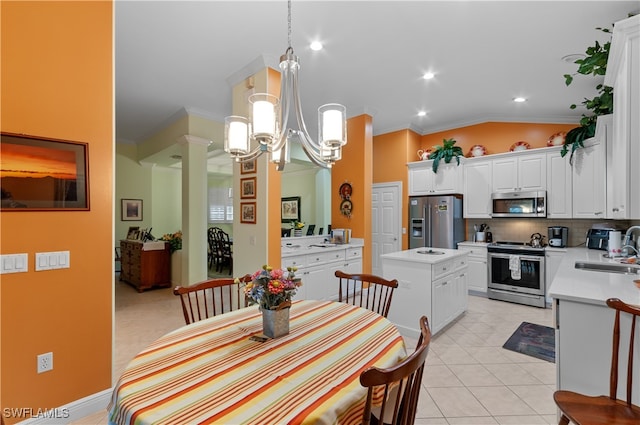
(595, 63)
(447, 151)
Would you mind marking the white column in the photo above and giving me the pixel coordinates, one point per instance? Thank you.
(194, 208)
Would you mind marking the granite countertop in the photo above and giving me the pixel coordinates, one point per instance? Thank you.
(592, 287)
(414, 255)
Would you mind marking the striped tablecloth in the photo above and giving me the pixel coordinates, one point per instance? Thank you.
(210, 372)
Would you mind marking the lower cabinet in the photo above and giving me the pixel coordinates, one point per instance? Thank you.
(449, 299)
(553, 258)
(317, 271)
(145, 265)
(478, 268)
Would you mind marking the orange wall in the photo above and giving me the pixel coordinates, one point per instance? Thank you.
(496, 137)
(57, 82)
(391, 152)
(356, 169)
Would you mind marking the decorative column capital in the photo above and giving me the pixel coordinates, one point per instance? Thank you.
(194, 140)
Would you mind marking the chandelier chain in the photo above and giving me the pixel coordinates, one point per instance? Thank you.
(289, 26)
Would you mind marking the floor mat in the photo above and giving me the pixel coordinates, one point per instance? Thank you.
(533, 340)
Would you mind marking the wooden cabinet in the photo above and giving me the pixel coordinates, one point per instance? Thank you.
(145, 265)
(423, 181)
(477, 188)
(478, 270)
(524, 172)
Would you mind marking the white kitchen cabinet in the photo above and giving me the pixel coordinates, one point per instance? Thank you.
(559, 185)
(477, 188)
(478, 275)
(623, 74)
(423, 181)
(553, 258)
(449, 299)
(521, 172)
(589, 180)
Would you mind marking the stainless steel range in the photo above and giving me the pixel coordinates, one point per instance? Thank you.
(516, 273)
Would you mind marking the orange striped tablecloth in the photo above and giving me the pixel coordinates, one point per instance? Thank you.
(210, 372)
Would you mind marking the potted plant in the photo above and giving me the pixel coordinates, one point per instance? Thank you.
(446, 151)
(595, 63)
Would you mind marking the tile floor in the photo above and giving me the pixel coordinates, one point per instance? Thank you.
(469, 378)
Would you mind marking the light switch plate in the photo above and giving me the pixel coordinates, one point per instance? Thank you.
(14, 263)
(52, 260)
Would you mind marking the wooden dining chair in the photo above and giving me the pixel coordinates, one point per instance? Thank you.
(366, 290)
(211, 297)
(401, 382)
(587, 410)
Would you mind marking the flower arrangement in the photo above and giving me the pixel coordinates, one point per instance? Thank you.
(174, 239)
(272, 287)
(297, 225)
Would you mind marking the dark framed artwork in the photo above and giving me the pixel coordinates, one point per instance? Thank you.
(131, 210)
(290, 209)
(248, 188)
(133, 233)
(43, 174)
(248, 212)
(248, 167)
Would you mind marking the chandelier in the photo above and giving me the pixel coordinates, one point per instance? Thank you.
(267, 129)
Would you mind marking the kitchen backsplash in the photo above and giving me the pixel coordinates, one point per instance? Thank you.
(520, 230)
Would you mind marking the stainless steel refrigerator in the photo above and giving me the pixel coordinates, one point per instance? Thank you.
(436, 221)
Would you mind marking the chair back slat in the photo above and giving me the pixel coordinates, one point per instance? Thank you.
(211, 298)
(399, 384)
(365, 290)
(634, 312)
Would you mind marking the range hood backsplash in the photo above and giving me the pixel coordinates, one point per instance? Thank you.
(521, 229)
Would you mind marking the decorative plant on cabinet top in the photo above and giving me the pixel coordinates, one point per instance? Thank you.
(595, 63)
(447, 151)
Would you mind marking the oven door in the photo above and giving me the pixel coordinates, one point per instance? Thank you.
(531, 274)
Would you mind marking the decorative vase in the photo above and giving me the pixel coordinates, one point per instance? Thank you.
(275, 323)
(297, 232)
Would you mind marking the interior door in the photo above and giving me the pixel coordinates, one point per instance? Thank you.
(386, 222)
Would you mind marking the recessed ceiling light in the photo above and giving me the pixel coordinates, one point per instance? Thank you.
(573, 57)
(422, 113)
(519, 99)
(316, 45)
(428, 75)
(176, 157)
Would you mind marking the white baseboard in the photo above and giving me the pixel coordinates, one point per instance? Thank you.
(73, 411)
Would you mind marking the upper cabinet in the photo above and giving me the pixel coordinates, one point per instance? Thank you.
(423, 181)
(623, 74)
(477, 188)
(559, 185)
(524, 172)
(589, 180)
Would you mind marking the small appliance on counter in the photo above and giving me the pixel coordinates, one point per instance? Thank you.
(598, 236)
(341, 236)
(558, 236)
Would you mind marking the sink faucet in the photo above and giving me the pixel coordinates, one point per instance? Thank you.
(627, 239)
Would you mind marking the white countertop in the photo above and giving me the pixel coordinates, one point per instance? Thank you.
(414, 255)
(471, 243)
(299, 249)
(592, 287)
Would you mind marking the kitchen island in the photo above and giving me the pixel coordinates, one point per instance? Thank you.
(584, 323)
(431, 282)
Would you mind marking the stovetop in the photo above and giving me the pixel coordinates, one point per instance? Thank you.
(514, 245)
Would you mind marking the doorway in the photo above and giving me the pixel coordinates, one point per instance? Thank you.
(386, 222)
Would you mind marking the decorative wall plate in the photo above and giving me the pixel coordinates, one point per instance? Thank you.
(557, 139)
(477, 150)
(345, 191)
(346, 207)
(519, 146)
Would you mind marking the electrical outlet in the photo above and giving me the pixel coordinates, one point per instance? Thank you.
(45, 362)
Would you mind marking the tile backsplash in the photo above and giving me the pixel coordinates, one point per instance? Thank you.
(521, 229)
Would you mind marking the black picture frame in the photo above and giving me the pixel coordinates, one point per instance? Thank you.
(43, 174)
(290, 209)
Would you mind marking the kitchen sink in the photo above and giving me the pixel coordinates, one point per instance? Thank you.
(608, 267)
(430, 252)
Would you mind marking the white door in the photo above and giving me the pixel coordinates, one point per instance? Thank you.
(386, 222)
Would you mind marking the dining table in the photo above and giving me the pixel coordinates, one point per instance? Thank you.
(222, 370)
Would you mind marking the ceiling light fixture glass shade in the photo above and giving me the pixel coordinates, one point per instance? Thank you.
(267, 128)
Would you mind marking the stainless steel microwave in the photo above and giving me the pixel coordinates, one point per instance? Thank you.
(519, 204)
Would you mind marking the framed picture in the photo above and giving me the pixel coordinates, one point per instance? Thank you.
(248, 188)
(133, 232)
(131, 210)
(290, 209)
(42, 174)
(248, 212)
(248, 167)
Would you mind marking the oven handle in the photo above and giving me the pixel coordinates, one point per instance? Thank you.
(520, 294)
(522, 257)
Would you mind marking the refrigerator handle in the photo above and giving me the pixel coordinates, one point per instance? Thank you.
(429, 228)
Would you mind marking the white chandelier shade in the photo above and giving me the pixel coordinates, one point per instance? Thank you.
(267, 128)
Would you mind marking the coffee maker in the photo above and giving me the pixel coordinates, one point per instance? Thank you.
(558, 236)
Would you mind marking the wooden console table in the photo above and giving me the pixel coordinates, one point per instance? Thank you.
(145, 265)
